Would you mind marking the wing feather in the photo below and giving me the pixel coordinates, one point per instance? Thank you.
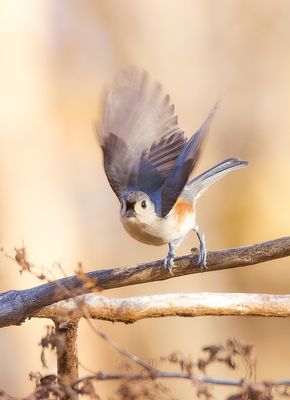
(138, 133)
(178, 176)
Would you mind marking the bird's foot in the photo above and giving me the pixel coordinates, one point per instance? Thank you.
(202, 252)
(202, 259)
(169, 263)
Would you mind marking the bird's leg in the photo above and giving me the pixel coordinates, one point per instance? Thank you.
(169, 260)
(202, 249)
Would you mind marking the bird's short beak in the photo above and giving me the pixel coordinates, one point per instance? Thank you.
(130, 209)
(130, 213)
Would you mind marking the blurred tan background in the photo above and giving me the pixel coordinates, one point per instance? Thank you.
(56, 55)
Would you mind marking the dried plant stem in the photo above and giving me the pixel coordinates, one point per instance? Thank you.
(121, 350)
(100, 376)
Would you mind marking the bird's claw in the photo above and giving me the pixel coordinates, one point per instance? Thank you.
(202, 260)
(169, 264)
(202, 252)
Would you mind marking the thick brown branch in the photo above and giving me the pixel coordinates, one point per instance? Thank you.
(67, 358)
(132, 309)
(16, 306)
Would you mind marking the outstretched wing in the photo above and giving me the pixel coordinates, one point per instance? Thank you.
(138, 133)
(200, 183)
(183, 167)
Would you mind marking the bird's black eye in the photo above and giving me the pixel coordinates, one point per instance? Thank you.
(143, 204)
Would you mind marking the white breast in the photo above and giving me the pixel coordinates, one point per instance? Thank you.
(159, 231)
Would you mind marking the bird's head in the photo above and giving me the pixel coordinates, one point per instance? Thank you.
(137, 205)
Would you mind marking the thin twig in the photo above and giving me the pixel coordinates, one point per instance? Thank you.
(121, 350)
(100, 376)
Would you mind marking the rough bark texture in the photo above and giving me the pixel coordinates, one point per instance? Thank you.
(67, 357)
(16, 306)
(165, 305)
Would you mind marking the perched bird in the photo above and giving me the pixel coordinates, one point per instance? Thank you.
(148, 162)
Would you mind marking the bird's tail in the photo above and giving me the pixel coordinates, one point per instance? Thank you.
(198, 185)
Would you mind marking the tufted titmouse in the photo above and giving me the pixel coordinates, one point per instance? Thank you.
(148, 162)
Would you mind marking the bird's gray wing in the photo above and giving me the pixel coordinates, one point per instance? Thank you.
(183, 167)
(138, 133)
(157, 163)
(200, 183)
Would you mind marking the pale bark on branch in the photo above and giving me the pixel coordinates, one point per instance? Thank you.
(16, 306)
(132, 309)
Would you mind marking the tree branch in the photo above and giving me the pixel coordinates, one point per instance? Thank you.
(16, 306)
(66, 349)
(133, 309)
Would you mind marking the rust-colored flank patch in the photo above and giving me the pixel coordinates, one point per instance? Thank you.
(182, 208)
